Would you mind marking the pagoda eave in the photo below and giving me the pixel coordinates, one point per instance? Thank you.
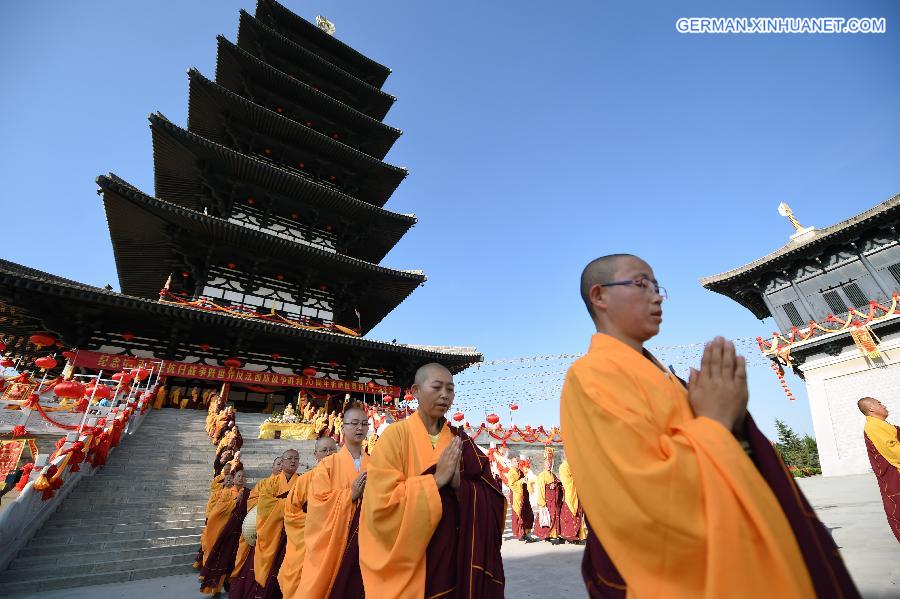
(327, 46)
(213, 112)
(234, 66)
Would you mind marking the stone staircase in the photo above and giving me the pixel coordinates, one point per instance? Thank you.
(142, 515)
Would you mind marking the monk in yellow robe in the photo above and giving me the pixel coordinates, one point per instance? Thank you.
(160, 401)
(571, 518)
(683, 496)
(433, 514)
(213, 526)
(883, 446)
(549, 494)
(295, 522)
(331, 563)
(243, 552)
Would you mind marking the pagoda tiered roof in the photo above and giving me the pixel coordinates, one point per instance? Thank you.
(187, 165)
(231, 120)
(85, 316)
(152, 237)
(292, 58)
(254, 79)
(327, 46)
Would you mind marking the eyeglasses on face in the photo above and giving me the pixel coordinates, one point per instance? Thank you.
(642, 282)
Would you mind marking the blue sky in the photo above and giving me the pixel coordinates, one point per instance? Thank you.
(538, 136)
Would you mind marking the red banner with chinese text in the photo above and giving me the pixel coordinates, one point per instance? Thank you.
(98, 361)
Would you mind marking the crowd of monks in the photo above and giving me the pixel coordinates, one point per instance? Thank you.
(679, 494)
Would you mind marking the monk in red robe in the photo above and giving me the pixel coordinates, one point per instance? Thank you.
(433, 514)
(683, 496)
(549, 498)
(571, 521)
(331, 564)
(260, 581)
(522, 517)
(883, 446)
(219, 559)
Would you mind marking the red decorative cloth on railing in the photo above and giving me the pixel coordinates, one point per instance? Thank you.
(26, 474)
(19, 430)
(49, 482)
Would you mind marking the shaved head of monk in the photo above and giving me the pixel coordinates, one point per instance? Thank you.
(325, 446)
(870, 406)
(621, 294)
(240, 479)
(276, 465)
(434, 389)
(356, 426)
(290, 462)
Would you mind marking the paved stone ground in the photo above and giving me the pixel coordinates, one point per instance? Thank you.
(850, 506)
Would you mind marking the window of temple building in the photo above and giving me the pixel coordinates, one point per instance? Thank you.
(793, 315)
(835, 302)
(855, 295)
(894, 269)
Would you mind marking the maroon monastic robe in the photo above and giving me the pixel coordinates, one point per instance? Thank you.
(220, 561)
(888, 483)
(348, 582)
(470, 532)
(823, 560)
(553, 496)
(526, 522)
(569, 523)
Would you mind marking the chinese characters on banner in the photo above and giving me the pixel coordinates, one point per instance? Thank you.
(97, 361)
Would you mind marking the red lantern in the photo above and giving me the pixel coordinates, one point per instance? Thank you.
(2, 346)
(141, 374)
(459, 417)
(493, 418)
(69, 390)
(232, 265)
(98, 391)
(7, 363)
(409, 397)
(294, 215)
(123, 377)
(232, 363)
(323, 287)
(370, 385)
(127, 335)
(309, 371)
(276, 356)
(250, 201)
(387, 398)
(333, 363)
(185, 274)
(204, 346)
(69, 355)
(514, 407)
(46, 362)
(42, 340)
(279, 276)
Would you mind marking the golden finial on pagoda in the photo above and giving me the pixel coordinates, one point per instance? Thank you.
(785, 210)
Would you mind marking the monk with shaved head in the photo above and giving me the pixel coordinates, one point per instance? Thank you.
(433, 514)
(295, 511)
(331, 563)
(684, 497)
(883, 446)
(259, 578)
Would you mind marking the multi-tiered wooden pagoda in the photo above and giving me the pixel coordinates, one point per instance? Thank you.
(262, 243)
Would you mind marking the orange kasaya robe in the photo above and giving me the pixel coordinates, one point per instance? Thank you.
(243, 548)
(416, 540)
(678, 506)
(294, 528)
(328, 517)
(218, 511)
(270, 526)
(883, 446)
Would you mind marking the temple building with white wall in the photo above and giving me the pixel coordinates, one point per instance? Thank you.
(834, 294)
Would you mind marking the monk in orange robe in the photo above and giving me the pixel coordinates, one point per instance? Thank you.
(295, 522)
(549, 494)
(683, 496)
(883, 446)
(331, 563)
(433, 514)
(222, 482)
(228, 515)
(244, 548)
(522, 517)
(260, 581)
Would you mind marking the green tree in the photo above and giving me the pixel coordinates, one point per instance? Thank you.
(800, 452)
